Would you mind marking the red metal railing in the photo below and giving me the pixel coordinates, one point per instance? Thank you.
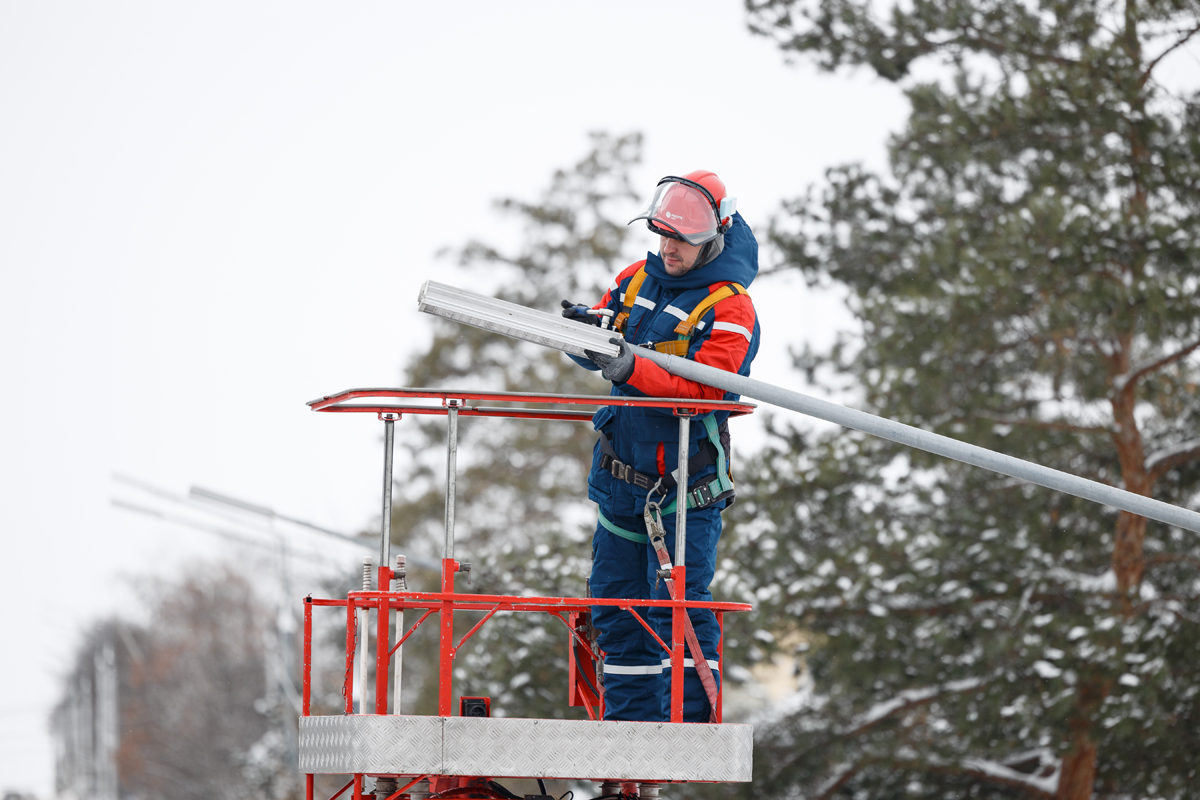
(583, 687)
(446, 602)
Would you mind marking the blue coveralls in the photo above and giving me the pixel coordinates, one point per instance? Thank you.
(636, 668)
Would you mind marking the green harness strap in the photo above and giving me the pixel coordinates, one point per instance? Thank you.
(617, 530)
(721, 483)
(718, 485)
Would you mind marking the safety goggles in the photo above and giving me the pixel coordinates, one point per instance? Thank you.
(683, 210)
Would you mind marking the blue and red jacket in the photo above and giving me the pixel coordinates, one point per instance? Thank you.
(726, 338)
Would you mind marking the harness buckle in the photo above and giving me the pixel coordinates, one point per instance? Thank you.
(702, 495)
(619, 470)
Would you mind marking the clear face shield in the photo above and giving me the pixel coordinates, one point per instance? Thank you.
(681, 211)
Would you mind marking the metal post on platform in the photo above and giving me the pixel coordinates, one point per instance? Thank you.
(400, 576)
(451, 469)
(685, 429)
(449, 566)
(680, 568)
(383, 616)
(363, 635)
(446, 640)
(385, 533)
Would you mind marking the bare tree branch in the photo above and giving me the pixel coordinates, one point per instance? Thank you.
(1180, 42)
(1155, 366)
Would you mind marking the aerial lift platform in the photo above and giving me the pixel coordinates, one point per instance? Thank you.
(448, 756)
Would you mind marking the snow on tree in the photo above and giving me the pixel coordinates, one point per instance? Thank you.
(1024, 280)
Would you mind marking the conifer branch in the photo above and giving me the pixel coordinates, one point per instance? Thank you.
(980, 42)
(1043, 425)
(1172, 558)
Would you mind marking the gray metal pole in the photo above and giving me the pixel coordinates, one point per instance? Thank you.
(385, 534)
(550, 330)
(685, 423)
(451, 469)
(924, 440)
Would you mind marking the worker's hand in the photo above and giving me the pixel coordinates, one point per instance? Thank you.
(618, 368)
(579, 313)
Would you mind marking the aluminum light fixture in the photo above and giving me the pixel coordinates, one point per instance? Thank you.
(510, 319)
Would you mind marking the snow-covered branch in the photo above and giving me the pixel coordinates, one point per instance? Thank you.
(1163, 461)
(841, 774)
(1040, 782)
(1034, 784)
(909, 698)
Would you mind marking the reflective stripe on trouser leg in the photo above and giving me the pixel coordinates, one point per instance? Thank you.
(633, 679)
(703, 533)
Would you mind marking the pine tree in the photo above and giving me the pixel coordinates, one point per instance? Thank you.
(1024, 280)
(523, 519)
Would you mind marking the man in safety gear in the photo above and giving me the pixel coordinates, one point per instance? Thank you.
(689, 299)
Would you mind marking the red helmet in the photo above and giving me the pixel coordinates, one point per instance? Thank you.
(694, 208)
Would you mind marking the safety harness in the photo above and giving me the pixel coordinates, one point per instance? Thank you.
(700, 495)
(686, 327)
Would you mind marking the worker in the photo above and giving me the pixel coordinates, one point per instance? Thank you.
(688, 299)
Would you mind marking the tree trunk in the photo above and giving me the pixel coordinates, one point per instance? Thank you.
(1127, 560)
(1078, 770)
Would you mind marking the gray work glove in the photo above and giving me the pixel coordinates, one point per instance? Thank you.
(616, 368)
(579, 313)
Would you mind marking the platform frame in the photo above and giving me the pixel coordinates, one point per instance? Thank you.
(584, 690)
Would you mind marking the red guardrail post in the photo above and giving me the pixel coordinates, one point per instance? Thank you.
(348, 681)
(677, 643)
(720, 665)
(446, 641)
(306, 697)
(383, 643)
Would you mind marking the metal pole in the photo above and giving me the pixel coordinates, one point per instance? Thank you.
(451, 464)
(385, 535)
(924, 440)
(685, 427)
(363, 636)
(549, 330)
(400, 576)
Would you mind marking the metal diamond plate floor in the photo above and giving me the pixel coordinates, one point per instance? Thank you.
(526, 748)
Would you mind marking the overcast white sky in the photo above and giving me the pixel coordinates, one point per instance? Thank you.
(213, 212)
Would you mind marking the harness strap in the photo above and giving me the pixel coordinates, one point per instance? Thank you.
(685, 329)
(617, 530)
(717, 489)
(687, 326)
(624, 472)
(627, 302)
